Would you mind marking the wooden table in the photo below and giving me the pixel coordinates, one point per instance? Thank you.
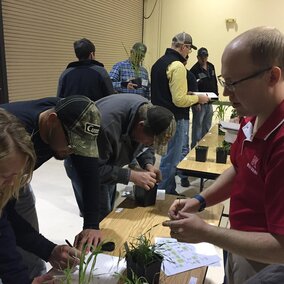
(209, 169)
(123, 224)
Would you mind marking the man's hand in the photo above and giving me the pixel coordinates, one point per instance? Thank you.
(197, 107)
(191, 228)
(90, 237)
(190, 205)
(203, 99)
(44, 279)
(152, 169)
(63, 256)
(144, 179)
(131, 86)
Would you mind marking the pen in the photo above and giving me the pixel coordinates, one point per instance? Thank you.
(69, 244)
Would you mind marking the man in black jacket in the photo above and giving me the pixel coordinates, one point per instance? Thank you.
(87, 76)
(59, 128)
(204, 71)
(169, 89)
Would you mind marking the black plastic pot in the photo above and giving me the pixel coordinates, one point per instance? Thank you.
(201, 153)
(221, 155)
(151, 271)
(138, 82)
(145, 197)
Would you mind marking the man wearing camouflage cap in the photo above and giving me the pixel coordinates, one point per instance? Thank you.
(129, 76)
(59, 128)
(131, 127)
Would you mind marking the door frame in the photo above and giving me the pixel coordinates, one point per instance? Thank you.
(4, 98)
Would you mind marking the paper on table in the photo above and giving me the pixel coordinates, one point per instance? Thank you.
(231, 130)
(105, 268)
(180, 257)
(192, 280)
(211, 95)
(228, 125)
(230, 136)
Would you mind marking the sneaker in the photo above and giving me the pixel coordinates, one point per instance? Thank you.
(184, 182)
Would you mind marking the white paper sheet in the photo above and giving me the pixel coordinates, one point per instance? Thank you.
(231, 130)
(105, 268)
(192, 280)
(228, 125)
(211, 95)
(180, 257)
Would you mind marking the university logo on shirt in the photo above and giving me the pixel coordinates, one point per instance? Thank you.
(253, 164)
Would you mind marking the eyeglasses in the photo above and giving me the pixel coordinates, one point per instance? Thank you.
(188, 46)
(231, 87)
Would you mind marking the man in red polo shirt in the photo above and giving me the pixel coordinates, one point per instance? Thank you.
(253, 79)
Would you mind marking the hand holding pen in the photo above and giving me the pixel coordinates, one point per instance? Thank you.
(71, 246)
(108, 246)
(63, 256)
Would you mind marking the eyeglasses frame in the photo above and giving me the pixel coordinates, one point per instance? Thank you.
(231, 86)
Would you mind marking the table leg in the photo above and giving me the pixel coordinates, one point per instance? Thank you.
(201, 184)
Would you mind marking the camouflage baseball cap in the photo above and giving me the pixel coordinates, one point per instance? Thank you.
(162, 123)
(81, 121)
(140, 48)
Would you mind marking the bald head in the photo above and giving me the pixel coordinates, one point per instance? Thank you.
(263, 45)
(252, 71)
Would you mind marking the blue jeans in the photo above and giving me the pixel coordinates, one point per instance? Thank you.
(185, 146)
(172, 157)
(201, 122)
(107, 191)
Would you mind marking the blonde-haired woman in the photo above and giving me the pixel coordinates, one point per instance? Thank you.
(17, 159)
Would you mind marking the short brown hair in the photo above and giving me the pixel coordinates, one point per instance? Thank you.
(83, 47)
(266, 46)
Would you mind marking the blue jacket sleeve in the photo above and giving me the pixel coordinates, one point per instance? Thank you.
(147, 156)
(12, 270)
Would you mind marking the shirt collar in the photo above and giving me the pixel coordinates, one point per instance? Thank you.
(274, 121)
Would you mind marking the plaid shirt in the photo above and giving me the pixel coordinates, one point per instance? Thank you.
(123, 72)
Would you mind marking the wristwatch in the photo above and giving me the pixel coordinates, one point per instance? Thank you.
(201, 201)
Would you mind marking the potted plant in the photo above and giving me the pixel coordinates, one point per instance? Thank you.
(220, 112)
(222, 152)
(145, 197)
(234, 113)
(201, 153)
(142, 260)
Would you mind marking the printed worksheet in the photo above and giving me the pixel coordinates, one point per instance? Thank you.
(105, 271)
(180, 257)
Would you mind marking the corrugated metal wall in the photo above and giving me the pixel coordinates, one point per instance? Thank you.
(39, 38)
